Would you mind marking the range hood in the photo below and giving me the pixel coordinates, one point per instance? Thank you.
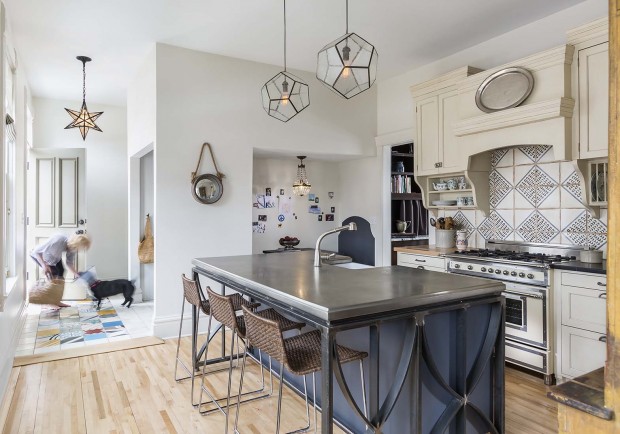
(545, 118)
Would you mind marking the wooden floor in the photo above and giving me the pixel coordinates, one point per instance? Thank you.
(133, 391)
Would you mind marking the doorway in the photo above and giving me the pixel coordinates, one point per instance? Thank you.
(56, 204)
(147, 202)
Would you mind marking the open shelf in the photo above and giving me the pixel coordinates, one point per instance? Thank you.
(465, 190)
(401, 154)
(406, 196)
(402, 173)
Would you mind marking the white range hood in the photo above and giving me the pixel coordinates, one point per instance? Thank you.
(545, 118)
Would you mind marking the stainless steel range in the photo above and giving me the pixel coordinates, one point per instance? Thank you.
(525, 269)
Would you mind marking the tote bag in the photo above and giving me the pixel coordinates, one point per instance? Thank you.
(146, 248)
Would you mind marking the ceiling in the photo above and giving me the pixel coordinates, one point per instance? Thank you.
(117, 34)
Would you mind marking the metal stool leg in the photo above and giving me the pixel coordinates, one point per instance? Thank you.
(314, 400)
(202, 383)
(236, 430)
(279, 399)
(176, 363)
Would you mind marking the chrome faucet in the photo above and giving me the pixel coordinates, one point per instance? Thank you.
(317, 252)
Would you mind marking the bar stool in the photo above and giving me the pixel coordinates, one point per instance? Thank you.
(223, 310)
(194, 296)
(301, 354)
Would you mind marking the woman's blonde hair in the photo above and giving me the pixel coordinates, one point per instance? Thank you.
(78, 242)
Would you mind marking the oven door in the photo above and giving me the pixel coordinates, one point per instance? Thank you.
(526, 314)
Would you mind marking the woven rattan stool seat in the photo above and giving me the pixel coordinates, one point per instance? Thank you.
(237, 301)
(284, 323)
(303, 353)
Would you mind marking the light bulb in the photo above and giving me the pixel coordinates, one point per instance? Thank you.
(346, 51)
(345, 72)
(285, 92)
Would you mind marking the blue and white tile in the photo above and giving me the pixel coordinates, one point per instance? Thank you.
(503, 157)
(501, 188)
(532, 154)
(537, 226)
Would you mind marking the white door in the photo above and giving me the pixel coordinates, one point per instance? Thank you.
(427, 147)
(56, 200)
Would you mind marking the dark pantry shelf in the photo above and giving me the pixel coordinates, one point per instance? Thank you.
(406, 196)
(402, 173)
(402, 154)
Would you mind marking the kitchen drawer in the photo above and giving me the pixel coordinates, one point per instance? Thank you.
(582, 351)
(584, 308)
(409, 260)
(582, 280)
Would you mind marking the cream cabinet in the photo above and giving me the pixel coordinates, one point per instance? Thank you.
(437, 111)
(423, 262)
(593, 87)
(581, 320)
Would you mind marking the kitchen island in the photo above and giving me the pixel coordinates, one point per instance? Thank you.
(435, 341)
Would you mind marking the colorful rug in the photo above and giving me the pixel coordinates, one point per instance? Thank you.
(78, 325)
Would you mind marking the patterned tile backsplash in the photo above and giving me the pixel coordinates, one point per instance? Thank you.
(535, 199)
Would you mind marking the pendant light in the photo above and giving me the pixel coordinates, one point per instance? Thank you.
(348, 65)
(83, 119)
(301, 187)
(285, 95)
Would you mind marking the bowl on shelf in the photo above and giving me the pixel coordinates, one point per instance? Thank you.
(444, 202)
(288, 242)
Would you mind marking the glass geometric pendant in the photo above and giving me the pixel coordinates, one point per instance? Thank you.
(83, 119)
(348, 65)
(284, 96)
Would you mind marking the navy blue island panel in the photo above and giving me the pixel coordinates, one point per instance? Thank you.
(435, 340)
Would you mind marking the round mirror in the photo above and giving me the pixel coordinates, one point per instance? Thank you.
(207, 188)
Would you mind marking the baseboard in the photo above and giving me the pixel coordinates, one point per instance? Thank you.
(167, 327)
(5, 369)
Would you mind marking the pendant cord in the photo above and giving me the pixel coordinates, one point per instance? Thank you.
(284, 35)
(83, 81)
(347, 32)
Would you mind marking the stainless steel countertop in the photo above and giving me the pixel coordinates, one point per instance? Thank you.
(332, 293)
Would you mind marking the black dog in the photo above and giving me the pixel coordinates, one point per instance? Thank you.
(106, 288)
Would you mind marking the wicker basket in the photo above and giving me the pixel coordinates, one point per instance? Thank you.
(47, 292)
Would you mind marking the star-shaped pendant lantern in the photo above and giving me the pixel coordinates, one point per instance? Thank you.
(83, 119)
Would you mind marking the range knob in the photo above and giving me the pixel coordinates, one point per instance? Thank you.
(530, 276)
(483, 269)
(506, 273)
(513, 274)
(457, 265)
(521, 275)
(470, 267)
(490, 270)
(498, 271)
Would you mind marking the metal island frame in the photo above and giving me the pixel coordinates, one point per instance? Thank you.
(448, 368)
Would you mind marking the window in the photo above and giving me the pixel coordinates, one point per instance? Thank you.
(9, 169)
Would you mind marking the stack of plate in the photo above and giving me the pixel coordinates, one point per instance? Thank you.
(444, 202)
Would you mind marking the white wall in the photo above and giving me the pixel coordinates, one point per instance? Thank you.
(106, 177)
(277, 173)
(141, 98)
(204, 97)
(394, 105)
(12, 307)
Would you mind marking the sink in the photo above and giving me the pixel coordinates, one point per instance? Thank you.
(353, 266)
(336, 259)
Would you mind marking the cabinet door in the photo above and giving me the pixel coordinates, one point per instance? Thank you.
(593, 101)
(449, 153)
(428, 136)
(584, 308)
(582, 351)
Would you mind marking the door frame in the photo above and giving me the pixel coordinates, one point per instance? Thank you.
(134, 221)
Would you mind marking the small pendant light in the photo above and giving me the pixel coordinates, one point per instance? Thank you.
(285, 95)
(83, 119)
(348, 65)
(301, 187)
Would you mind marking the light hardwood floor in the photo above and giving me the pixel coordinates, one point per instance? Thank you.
(133, 391)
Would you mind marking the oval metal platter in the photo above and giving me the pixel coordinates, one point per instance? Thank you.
(504, 89)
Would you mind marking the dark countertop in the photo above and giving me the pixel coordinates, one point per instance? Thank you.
(585, 393)
(582, 266)
(333, 293)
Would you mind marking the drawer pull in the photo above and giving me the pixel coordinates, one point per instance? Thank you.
(602, 295)
(602, 339)
(421, 267)
(601, 284)
(420, 260)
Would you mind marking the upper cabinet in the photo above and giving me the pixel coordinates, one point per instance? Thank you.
(590, 85)
(436, 102)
